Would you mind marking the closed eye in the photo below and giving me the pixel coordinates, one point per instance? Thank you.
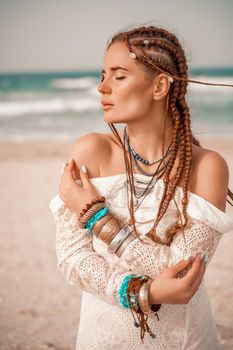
(118, 78)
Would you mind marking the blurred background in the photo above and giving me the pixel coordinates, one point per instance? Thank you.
(50, 67)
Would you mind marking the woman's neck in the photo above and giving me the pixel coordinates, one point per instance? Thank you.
(148, 140)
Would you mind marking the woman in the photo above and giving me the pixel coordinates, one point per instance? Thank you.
(154, 178)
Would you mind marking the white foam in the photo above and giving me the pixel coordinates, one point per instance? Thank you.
(74, 83)
(54, 105)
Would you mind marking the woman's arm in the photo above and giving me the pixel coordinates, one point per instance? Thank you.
(152, 258)
(77, 260)
(84, 268)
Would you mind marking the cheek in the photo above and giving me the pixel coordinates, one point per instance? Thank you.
(135, 103)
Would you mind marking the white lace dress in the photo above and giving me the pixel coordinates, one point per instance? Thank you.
(86, 264)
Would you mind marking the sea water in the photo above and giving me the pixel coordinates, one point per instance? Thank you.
(65, 105)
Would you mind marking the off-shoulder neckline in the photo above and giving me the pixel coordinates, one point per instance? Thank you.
(160, 181)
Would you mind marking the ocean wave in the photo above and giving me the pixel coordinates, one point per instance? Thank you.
(83, 83)
(212, 80)
(55, 105)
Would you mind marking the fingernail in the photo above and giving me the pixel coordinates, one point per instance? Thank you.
(206, 259)
(84, 169)
(70, 160)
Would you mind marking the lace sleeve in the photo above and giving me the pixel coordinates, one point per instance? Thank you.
(101, 275)
(152, 258)
(79, 263)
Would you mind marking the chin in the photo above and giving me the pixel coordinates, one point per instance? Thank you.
(111, 119)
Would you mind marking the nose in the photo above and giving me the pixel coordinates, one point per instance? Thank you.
(104, 87)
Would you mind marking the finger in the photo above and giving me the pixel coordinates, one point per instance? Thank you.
(194, 270)
(76, 171)
(179, 267)
(74, 168)
(85, 177)
(198, 280)
(68, 170)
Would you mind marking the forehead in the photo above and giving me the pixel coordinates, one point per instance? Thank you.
(118, 55)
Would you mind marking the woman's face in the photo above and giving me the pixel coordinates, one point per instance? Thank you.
(128, 89)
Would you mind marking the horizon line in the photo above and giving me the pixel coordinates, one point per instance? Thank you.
(95, 70)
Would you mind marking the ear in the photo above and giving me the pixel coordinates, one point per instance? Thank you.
(161, 86)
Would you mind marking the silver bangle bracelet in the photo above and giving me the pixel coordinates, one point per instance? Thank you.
(119, 239)
(126, 242)
(143, 296)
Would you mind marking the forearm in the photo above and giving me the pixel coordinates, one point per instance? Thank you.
(102, 276)
(153, 257)
(80, 264)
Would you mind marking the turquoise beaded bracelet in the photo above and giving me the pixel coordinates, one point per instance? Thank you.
(122, 292)
(98, 215)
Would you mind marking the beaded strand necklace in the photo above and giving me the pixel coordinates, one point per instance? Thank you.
(154, 179)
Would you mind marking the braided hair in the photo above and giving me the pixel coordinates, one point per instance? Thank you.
(159, 50)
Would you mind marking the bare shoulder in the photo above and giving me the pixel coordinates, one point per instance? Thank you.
(210, 176)
(89, 149)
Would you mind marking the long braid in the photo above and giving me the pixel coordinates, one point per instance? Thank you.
(189, 139)
(168, 192)
(176, 122)
(162, 208)
(160, 51)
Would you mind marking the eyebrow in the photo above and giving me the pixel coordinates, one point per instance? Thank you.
(115, 68)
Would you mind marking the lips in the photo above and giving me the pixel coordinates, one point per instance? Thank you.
(106, 103)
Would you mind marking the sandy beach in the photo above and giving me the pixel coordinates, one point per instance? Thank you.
(39, 310)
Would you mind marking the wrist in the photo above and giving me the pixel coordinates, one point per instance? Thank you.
(152, 297)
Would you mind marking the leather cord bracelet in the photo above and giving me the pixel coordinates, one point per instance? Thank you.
(91, 212)
(99, 199)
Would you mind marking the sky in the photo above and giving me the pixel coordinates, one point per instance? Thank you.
(66, 35)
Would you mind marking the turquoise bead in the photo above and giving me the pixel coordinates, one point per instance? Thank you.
(91, 222)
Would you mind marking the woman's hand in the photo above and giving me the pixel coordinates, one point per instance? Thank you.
(169, 288)
(76, 196)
